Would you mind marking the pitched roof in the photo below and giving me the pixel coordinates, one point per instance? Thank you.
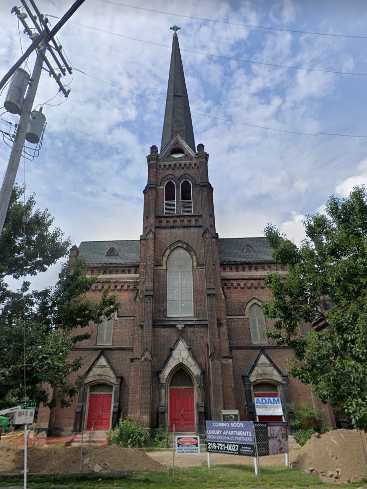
(177, 116)
(245, 250)
(124, 252)
(100, 253)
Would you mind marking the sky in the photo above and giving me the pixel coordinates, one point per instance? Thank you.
(92, 169)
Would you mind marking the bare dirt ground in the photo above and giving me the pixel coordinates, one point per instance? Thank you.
(165, 457)
(70, 460)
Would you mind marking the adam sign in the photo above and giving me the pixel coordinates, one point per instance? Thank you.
(268, 406)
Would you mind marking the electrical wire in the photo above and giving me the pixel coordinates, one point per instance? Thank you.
(238, 24)
(287, 131)
(22, 51)
(266, 64)
(46, 102)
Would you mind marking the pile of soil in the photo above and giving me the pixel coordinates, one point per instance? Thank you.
(10, 460)
(339, 456)
(72, 460)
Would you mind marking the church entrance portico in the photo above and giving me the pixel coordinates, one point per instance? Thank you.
(181, 391)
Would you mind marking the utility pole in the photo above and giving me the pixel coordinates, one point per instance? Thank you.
(40, 42)
(16, 152)
(46, 36)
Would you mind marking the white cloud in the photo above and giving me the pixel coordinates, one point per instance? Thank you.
(294, 228)
(92, 168)
(346, 186)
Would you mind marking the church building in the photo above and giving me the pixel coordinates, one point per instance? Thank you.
(189, 341)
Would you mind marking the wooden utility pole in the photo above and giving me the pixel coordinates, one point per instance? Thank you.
(41, 43)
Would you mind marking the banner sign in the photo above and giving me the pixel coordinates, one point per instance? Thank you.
(187, 444)
(232, 437)
(278, 438)
(271, 438)
(268, 406)
(24, 416)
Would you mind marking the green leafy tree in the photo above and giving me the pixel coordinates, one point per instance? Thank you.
(326, 283)
(39, 328)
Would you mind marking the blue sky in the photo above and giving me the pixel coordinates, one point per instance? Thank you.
(92, 168)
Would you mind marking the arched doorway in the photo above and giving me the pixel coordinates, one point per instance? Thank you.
(99, 407)
(181, 403)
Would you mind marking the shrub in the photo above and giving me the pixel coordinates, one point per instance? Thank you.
(306, 419)
(159, 439)
(130, 434)
(302, 436)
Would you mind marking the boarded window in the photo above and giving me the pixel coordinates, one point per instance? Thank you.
(257, 324)
(179, 284)
(104, 332)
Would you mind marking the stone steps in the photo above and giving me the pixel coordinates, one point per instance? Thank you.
(89, 438)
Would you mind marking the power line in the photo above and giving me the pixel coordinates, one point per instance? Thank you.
(287, 131)
(222, 56)
(258, 126)
(239, 24)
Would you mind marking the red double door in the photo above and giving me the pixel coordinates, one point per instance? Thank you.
(99, 412)
(181, 409)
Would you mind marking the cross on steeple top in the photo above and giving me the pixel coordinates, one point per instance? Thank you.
(175, 28)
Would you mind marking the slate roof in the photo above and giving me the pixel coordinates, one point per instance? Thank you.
(245, 250)
(94, 252)
(231, 250)
(177, 116)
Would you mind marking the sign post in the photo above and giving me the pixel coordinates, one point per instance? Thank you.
(25, 416)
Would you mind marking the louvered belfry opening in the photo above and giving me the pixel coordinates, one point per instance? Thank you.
(170, 198)
(186, 197)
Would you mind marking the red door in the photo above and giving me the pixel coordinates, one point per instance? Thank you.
(99, 412)
(181, 409)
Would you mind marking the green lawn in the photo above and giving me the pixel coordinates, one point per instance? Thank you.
(219, 477)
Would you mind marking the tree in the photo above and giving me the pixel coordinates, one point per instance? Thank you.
(327, 280)
(37, 328)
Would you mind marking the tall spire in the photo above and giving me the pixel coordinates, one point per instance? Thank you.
(177, 117)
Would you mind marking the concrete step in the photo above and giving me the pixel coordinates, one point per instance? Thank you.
(89, 438)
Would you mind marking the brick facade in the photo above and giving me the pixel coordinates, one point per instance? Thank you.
(214, 345)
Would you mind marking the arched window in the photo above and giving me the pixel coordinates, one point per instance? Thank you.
(105, 331)
(186, 197)
(179, 284)
(257, 324)
(170, 198)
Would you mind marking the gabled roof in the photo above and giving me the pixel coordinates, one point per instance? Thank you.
(97, 252)
(245, 250)
(177, 116)
(231, 250)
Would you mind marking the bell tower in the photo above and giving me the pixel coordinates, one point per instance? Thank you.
(179, 231)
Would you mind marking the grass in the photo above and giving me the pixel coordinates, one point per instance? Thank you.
(219, 477)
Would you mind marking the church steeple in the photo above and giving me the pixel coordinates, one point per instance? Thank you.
(177, 117)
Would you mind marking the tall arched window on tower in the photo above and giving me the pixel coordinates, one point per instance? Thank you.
(186, 197)
(170, 198)
(179, 284)
(257, 324)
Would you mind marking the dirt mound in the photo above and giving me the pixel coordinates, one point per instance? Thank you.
(62, 460)
(339, 455)
(10, 460)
